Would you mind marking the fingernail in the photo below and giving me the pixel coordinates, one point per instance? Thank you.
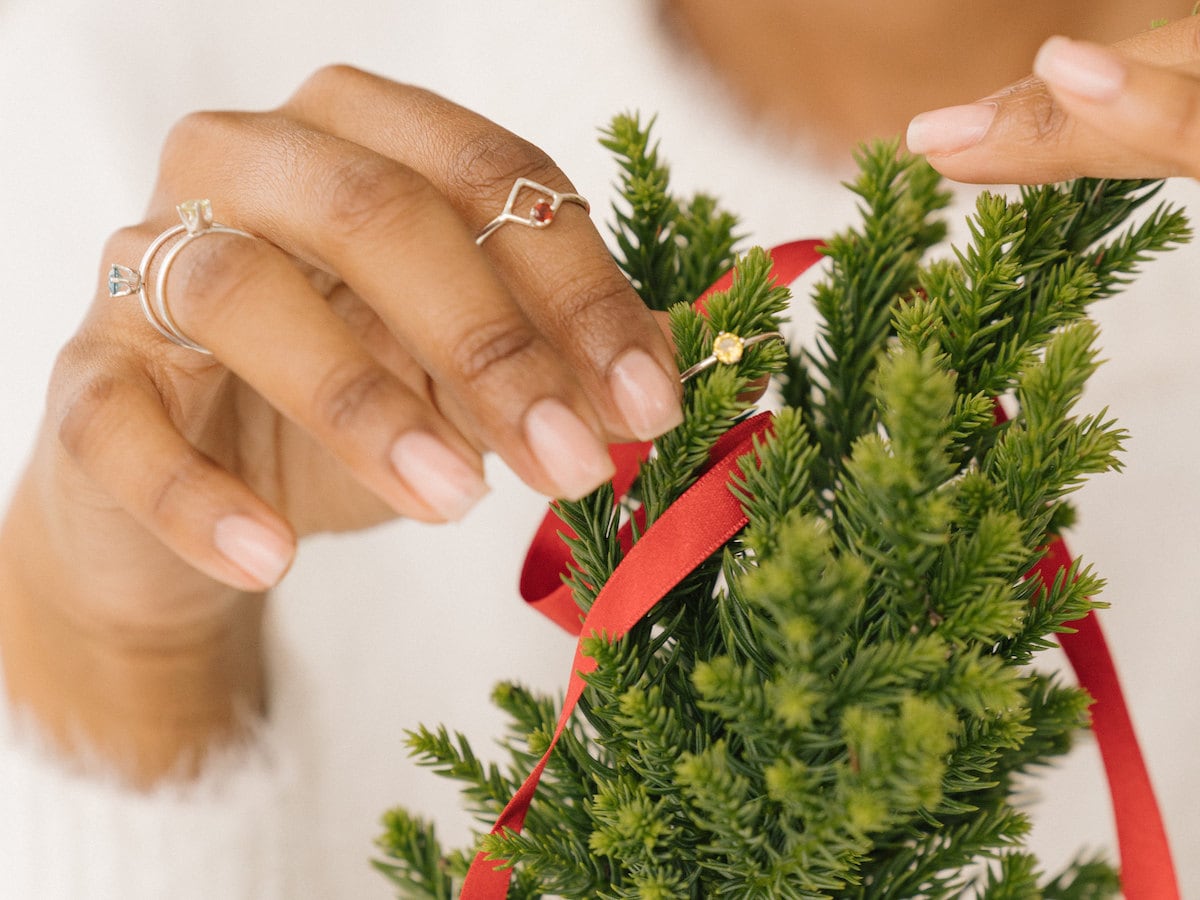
(436, 474)
(644, 395)
(951, 129)
(255, 549)
(565, 447)
(1092, 72)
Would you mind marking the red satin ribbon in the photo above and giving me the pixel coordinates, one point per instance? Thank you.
(690, 531)
(1147, 870)
(547, 559)
(700, 523)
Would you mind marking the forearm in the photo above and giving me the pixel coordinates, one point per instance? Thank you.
(147, 697)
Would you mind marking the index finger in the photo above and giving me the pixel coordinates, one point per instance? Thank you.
(563, 278)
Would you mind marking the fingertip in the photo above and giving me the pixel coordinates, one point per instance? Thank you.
(440, 477)
(257, 554)
(1027, 138)
(566, 449)
(1088, 71)
(647, 398)
(950, 130)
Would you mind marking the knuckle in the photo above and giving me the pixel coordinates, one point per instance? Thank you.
(491, 159)
(368, 192)
(84, 421)
(328, 79)
(1034, 108)
(1046, 116)
(348, 394)
(125, 242)
(204, 128)
(595, 297)
(485, 349)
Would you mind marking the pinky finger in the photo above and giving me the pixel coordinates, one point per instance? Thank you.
(120, 436)
(1151, 111)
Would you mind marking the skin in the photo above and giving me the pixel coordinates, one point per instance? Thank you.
(167, 490)
(840, 73)
(1128, 111)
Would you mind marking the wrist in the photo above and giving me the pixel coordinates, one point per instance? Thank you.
(141, 672)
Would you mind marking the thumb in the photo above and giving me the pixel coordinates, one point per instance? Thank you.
(1130, 111)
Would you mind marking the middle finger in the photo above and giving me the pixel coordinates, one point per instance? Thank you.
(563, 278)
(384, 230)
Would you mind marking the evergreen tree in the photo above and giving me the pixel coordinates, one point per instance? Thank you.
(836, 704)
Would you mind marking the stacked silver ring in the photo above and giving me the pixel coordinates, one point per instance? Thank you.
(196, 221)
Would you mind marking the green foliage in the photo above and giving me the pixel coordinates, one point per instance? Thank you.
(871, 268)
(670, 249)
(422, 874)
(837, 703)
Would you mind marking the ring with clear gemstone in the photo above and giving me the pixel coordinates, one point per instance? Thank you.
(123, 281)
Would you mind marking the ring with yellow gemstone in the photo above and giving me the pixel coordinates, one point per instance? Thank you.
(196, 219)
(728, 349)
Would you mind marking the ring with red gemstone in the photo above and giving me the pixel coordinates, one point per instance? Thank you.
(542, 210)
(727, 349)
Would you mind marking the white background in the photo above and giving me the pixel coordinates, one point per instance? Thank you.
(410, 624)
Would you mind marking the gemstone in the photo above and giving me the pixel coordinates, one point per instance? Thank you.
(727, 348)
(123, 281)
(196, 215)
(542, 212)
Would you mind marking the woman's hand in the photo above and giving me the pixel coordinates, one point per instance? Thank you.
(1129, 111)
(365, 353)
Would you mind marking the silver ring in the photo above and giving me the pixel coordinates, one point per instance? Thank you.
(197, 221)
(727, 350)
(541, 213)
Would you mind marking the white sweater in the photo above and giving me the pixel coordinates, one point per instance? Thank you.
(373, 634)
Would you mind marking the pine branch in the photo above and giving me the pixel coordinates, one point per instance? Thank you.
(708, 238)
(1084, 879)
(485, 788)
(714, 399)
(424, 872)
(671, 250)
(836, 703)
(872, 269)
(648, 253)
(1014, 878)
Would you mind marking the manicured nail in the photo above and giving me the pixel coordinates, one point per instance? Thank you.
(255, 549)
(645, 395)
(1092, 72)
(950, 130)
(436, 474)
(565, 447)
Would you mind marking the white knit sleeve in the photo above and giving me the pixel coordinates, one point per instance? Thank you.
(65, 834)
